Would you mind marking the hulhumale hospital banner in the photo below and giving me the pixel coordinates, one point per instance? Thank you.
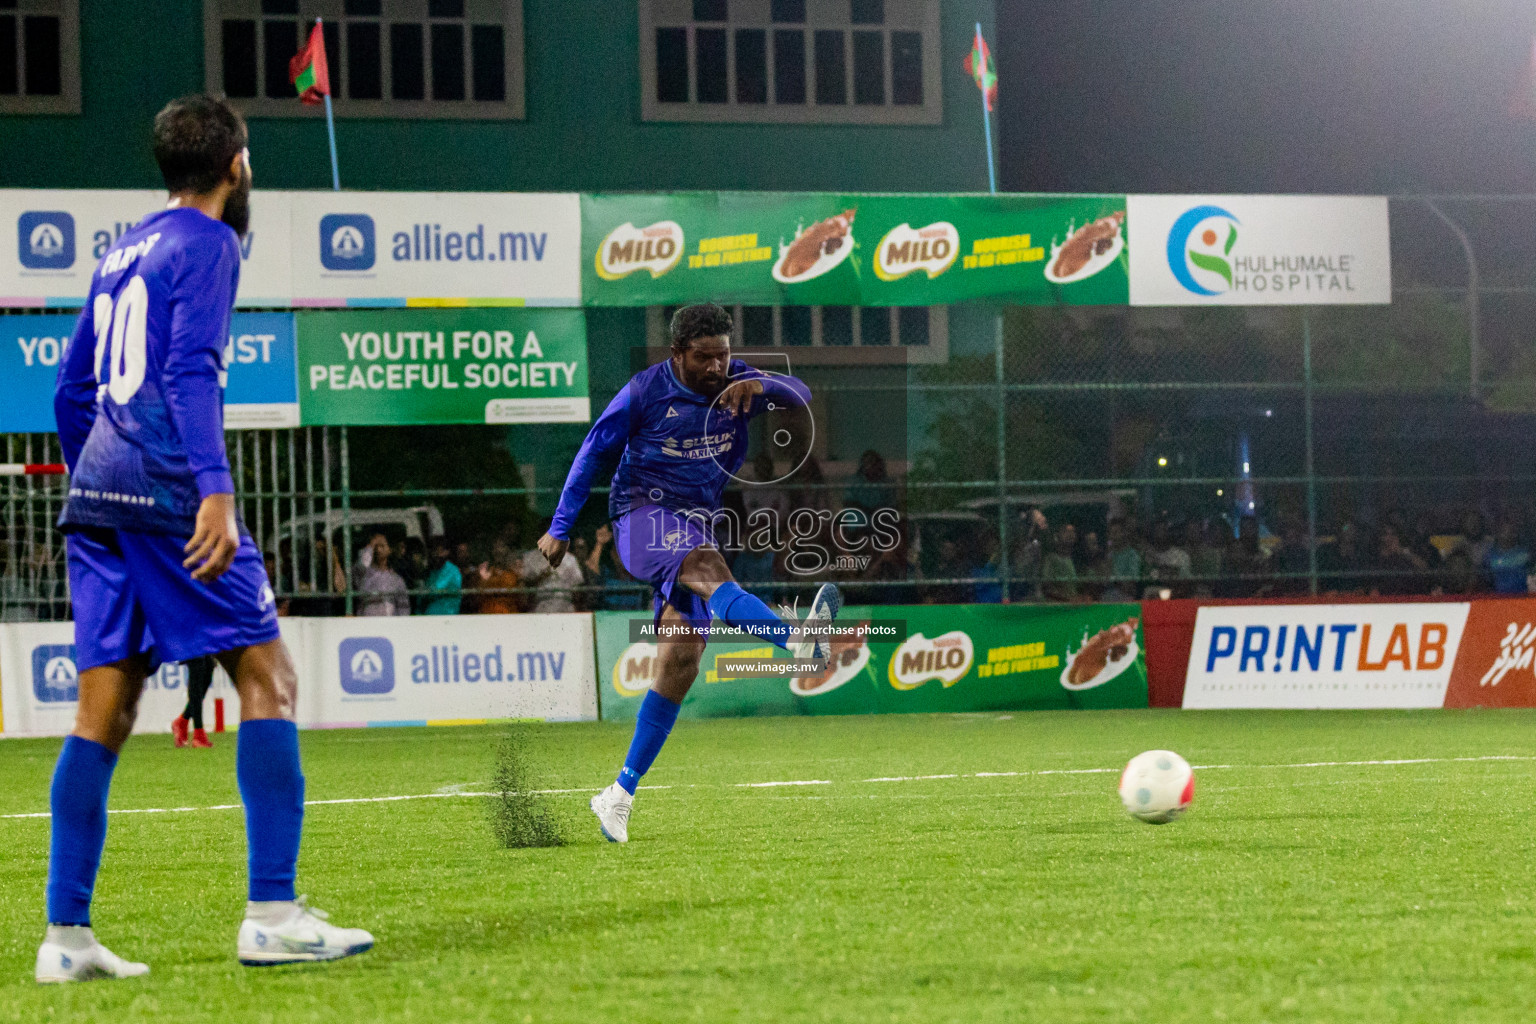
(771, 248)
(259, 356)
(939, 658)
(393, 367)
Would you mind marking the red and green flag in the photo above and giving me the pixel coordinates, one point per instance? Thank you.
(308, 71)
(978, 64)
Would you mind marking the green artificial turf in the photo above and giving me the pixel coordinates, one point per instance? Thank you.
(1368, 892)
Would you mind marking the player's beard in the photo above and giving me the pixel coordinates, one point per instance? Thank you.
(237, 208)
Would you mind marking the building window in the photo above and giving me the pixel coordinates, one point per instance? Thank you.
(387, 58)
(832, 334)
(790, 61)
(39, 57)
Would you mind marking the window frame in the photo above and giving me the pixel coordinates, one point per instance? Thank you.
(819, 17)
(514, 47)
(817, 353)
(67, 101)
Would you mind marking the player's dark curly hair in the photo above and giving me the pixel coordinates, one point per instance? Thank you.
(196, 137)
(705, 320)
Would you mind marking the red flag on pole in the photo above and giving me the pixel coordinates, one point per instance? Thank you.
(978, 64)
(308, 71)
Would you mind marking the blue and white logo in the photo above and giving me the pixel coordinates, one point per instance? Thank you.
(45, 240)
(1208, 253)
(346, 241)
(367, 664)
(54, 679)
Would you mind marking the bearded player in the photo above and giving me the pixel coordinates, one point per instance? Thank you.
(160, 567)
(678, 432)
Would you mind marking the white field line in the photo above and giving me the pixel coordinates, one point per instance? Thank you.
(466, 795)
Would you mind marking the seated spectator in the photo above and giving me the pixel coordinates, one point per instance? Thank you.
(1292, 560)
(986, 569)
(871, 487)
(1402, 571)
(1058, 573)
(379, 589)
(1204, 556)
(412, 563)
(499, 574)
(1093, 564)
(1125, 567)
(445, 581)
(1245, 563)
(1475, 538)
(618, 594)
(555, 585)
(1342, 564)
(1166, 559)
(586, 600)
(1508, 562)
(952, 567)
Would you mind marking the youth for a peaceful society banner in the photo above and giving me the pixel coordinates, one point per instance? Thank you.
(392, 367)
(816, 248)
(1420, 655)
(941, 658)
(1260, 250)
(259, 357)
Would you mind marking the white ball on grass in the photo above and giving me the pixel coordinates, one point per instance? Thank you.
(1157, 786)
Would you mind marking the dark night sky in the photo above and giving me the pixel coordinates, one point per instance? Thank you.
(1287, 95)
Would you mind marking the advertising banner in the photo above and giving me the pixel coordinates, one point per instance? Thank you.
(947, 658)
(1422, 655)
(446, 669)
(393, 367)
(1259, 250)
(431, 248)
(819, 248)
(51, 239)
(39, 683)
(262, 390)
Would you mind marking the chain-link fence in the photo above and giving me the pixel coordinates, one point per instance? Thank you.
(1058, 453)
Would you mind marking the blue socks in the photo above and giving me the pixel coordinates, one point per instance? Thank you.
(81, 780)
(735, 607)
(272, 789)
(652, 725)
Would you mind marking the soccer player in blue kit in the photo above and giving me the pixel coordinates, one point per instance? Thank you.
(160, 567)
(679, 431)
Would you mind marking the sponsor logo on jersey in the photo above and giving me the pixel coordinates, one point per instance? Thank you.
(45, 240)
(946, 658)
(671, 412)
(656, 248)
(346, 241)
(54, 678)
(905, 250)
(367, 664)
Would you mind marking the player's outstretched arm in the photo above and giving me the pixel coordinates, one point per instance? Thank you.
(604, 444)
(751, 393)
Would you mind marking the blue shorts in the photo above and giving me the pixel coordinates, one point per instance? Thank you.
(132, 596)
(652, 542)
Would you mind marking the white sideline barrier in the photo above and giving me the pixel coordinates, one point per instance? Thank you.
(352, 673)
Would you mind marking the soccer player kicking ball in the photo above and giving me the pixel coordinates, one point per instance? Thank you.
(160, 568)
(679, 431)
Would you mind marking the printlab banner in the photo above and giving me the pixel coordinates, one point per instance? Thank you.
(1260, 250)
(950, 658)
(318, 248)
(872, 250)
(392, 367)
(1455, 655)
(260, 358)
(442, 669)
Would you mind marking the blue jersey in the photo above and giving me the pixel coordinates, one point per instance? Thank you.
(678, 449)
(140, 393)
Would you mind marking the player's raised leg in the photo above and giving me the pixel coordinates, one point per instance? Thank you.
(677, 667)
(109, 702)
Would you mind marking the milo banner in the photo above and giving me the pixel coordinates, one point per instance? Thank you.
(816, 248)
(946, 658)
(388, 367)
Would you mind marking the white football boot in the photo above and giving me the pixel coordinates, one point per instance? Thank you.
(295, 933)
(824, 608)
(612, 807)
(70, 953)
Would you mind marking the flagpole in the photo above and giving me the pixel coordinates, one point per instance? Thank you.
(986, 120)
(330, 126)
